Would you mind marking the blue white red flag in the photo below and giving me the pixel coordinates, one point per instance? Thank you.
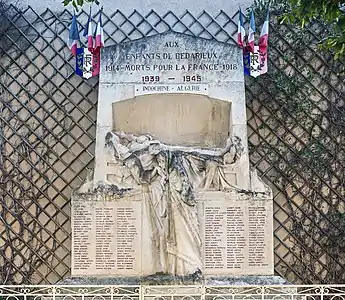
(263, 44)
(263, 39)
(255, 57)
(241, 32)
(246, 61)
(87, 63)
(88, 32)
(99, 35)
(251, 33)
(73, 36)
(255, 63)
(255, 67)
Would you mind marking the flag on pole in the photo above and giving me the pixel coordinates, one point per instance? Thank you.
(251, 33)
(73, 36)
(99, 36)
(241, 32)
(255, 57)
(263, 44)
(88, 32)
(263, 39)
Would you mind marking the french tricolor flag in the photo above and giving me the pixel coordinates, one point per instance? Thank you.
(263, 39)
(88, 32)
(251, 34)
(263, 45)
(87, 63)
(73, 36)
(241, 32)
(99, 35)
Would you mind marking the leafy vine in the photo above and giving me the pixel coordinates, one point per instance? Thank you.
(304, 100)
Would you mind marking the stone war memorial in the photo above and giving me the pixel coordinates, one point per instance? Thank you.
(172, 194)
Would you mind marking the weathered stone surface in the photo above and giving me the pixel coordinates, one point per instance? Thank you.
(172, 192)
(210, 129)
(107, 235)
(176, 280)
(237, 233)
(138, 74)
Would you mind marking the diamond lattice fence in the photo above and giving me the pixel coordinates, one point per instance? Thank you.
(296, 119)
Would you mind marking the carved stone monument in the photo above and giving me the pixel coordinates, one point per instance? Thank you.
(172, 191)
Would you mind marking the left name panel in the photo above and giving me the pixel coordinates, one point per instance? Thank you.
(106, 237)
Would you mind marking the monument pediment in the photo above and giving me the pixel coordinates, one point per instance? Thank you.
(171, 55)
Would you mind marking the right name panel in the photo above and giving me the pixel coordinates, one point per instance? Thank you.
(237, 235)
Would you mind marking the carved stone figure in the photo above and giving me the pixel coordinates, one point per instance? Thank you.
(171, 175)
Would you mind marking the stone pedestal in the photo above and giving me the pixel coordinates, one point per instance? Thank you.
(115, 233)
(168, 280)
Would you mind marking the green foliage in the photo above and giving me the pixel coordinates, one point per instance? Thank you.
(330, 14)
(78, 3)
(299, 116)
(303, 12)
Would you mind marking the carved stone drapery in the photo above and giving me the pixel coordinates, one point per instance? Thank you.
(171, 176)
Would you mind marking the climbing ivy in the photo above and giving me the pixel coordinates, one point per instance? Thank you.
(304, 108)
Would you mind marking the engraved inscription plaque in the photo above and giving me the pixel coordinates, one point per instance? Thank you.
(237, 235)
(107, 236)
(143, 114)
